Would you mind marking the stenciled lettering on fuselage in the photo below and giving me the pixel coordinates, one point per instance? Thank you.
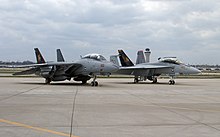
(102, 66)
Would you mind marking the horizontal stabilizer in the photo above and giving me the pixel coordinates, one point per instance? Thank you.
(26, 72)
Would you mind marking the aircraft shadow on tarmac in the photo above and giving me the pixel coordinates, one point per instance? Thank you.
(141, 83)
(158, 83)
(54, 84)
(104, 85)
(67, 84)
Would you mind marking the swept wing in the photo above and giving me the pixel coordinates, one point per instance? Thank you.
(144, 67)
(69, 67)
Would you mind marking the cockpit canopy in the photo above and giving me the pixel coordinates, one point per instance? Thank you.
(94, 56)
(171, 60)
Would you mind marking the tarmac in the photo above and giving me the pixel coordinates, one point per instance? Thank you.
(116, 108)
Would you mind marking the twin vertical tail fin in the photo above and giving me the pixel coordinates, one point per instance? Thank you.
(60, 57)
(140, 57)
(114, 59)
(125, 61)
(39, 56)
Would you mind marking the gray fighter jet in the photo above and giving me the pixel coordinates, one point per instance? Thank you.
(89, 66)
(150, 71)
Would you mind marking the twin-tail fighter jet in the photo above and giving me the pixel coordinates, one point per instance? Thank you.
(89, 66)
(143, 70)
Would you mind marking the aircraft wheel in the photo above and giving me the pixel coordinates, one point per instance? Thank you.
(96, 83)
(172, 82)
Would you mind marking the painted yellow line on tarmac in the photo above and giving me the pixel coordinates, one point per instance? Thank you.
(36, 128)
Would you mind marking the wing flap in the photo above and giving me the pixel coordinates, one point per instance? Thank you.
(72, 68)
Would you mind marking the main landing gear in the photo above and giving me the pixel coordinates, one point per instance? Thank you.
(47, 81)
(154, 80)
(136, 80)
(151, 78)
(84, 81)
(94, 82)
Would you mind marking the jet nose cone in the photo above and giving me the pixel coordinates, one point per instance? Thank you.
(199, 71)
(195, 70)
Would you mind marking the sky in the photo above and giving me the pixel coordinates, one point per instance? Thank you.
(187, 29)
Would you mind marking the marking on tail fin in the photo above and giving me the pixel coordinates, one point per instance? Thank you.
(39, 56)
(114, 59)
(125, 61)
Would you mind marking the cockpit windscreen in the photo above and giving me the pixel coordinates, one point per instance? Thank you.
(170, 60)
(94, 56)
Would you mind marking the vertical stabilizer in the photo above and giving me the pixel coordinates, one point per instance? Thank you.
(140, 57)
(125, 61)
(147, 55)
(39, 56)
(60, 57)
(114, 59)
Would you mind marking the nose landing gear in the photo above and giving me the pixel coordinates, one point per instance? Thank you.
(94, 82)
(172, 82)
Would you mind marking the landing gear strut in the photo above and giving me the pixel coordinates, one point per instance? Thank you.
(84, 81)
(47, 81)
(136, 80)
(94, 82)
(154, 80)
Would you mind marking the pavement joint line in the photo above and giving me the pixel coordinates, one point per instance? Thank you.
(36, 128)
(173, 111)
(184, 108)
(180, 108)
(20, 93)
(172, 107)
